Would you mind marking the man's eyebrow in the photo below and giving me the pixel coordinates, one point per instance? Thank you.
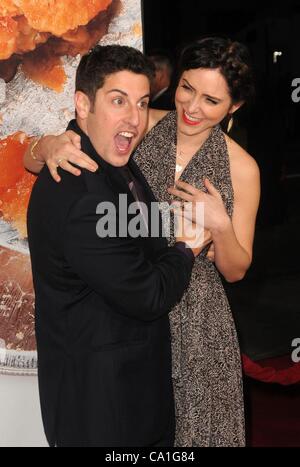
(125, 93)
(146, 95)
(206, 95)
(118, 90)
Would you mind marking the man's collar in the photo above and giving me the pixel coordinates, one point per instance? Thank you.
(114, 173)
(86, 145)
(154, 98)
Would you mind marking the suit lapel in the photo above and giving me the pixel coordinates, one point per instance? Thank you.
(149, 196)
(110, 176)
(151, 202)
(106, 172)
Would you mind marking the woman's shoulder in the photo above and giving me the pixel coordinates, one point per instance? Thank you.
(243, 166)
(155, 116)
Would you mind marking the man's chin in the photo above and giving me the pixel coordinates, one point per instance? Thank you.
(120, 160)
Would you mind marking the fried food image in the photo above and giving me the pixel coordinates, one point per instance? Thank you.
(15, 183)
(60, 16)
(9, 8)
(16, 289)
(16, 305)
(31, 29)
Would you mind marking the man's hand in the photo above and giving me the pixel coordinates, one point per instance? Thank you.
(207, 238)
(63, 151)
(193, 235)
(211, 253)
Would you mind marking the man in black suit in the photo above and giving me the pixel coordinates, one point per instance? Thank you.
(162, 95)
(102, 295)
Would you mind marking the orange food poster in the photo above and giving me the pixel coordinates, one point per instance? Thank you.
(40, 48)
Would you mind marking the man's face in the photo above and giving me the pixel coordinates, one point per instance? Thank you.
(117, 121)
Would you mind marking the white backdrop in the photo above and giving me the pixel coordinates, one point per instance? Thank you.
(20, 419)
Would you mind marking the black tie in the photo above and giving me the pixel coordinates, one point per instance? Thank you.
(137, 192)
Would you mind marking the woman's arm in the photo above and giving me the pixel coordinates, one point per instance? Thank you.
(232, 238)
(61, 150)
(239, 235)
(57, 151)
(30, 160)
(155, 116)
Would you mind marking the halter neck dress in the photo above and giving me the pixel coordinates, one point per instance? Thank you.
(206, 357)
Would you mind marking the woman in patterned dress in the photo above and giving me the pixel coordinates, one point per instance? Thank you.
(189, 148)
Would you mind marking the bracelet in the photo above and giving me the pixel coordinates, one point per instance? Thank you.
(32, 148)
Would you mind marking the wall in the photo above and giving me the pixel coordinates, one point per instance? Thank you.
(20, 421)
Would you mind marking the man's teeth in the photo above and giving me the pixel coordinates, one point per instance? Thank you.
(193, 119)
(126, 134)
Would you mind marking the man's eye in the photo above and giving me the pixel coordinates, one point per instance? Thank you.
(144, 104)
(118, 101)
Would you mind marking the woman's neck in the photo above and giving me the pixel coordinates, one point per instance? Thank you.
(192, 143)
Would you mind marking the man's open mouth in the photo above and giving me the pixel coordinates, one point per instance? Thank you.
(123, 141)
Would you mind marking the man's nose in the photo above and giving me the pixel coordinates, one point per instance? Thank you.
(133, 116)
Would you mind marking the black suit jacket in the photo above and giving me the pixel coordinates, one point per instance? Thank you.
(102, 328)
(165, 101)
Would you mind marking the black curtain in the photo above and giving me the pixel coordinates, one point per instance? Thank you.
(266, 303)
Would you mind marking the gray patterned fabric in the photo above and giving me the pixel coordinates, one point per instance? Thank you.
(206, 358)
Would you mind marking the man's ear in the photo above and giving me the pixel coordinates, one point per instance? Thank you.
(82, 104)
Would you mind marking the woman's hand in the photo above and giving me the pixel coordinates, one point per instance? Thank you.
(206, 209)
(63, 151)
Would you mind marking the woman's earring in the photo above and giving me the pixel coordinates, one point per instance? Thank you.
(230, 124)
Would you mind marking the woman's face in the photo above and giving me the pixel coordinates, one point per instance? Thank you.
(202, 100)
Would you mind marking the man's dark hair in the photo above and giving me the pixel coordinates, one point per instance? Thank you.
(104, 60)
(162, 62)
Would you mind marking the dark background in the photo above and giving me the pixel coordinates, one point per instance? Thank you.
(266, 303)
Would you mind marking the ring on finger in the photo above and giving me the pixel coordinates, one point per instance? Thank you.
(59, 161)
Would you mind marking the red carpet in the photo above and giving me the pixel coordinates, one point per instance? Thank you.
(272, 411)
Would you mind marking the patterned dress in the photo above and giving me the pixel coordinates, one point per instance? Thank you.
(206, 358)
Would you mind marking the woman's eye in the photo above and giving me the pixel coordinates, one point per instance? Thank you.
(186, 87)
(212, 101)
